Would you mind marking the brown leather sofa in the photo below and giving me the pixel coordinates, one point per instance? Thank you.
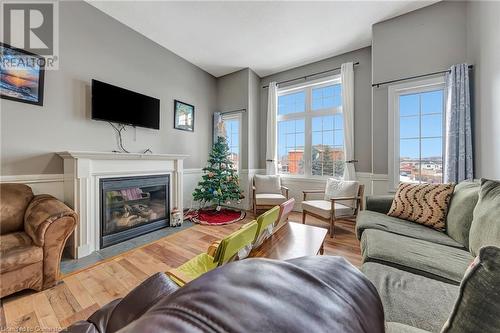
(310, 294)
(33, 231)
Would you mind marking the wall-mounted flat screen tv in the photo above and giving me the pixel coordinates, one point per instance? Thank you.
(119, 105)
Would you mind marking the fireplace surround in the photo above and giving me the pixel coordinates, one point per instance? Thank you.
(83, 172)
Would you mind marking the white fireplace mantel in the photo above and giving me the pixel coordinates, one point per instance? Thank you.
(84, 169)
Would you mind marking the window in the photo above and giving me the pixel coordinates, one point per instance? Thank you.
(416, 124)
(232, 127)
(311, 129)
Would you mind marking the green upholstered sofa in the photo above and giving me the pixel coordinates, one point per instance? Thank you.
(417, 270)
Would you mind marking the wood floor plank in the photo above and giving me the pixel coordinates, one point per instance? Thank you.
(45, 312)
(63, 303)
(26, 323)
(84, 292)
(78, 290)
(125, 263)
(81, 315)
(118, 272)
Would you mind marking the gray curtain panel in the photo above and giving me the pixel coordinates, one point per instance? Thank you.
(458, 164)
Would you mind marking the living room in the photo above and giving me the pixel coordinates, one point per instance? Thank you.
(355, 154)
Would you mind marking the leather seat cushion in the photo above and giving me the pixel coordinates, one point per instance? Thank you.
(17, 251)
(269, 199)
(323, 208)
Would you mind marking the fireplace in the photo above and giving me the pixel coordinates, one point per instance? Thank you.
(132, 206)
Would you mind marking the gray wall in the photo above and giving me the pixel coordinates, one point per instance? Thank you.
(241, 90)
(362, 101)
(254, 115)
(232, 94)
(483, 50)
(93, 45)
(423, 41)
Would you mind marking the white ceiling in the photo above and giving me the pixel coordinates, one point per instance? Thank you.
(224, 36)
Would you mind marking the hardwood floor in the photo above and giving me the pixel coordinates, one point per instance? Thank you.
(81, 293)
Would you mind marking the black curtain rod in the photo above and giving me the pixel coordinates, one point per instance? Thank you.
(313, 74)
(414, 77)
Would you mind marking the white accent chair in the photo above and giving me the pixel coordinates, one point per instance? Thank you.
(342, 200)
(268, 192)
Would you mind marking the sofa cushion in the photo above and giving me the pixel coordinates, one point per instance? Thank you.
(436, 261)
(372, 220)
(323, 208)
(426, 204)
(459, 218)
(267, 184)
(269, 199)
(20, 256)
(15, 200)
(342, 188)
(477, 308)
(485, 228)
(412, 299)
(393, 327)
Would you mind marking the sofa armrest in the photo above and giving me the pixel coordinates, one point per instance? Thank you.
(380, 203)
(49, 222)
(43, 211)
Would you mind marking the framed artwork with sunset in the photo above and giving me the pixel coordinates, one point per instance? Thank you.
(21, 75)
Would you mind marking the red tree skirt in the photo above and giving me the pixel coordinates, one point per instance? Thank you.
(213, 217)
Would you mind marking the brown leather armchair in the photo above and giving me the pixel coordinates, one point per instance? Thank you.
(33, 231)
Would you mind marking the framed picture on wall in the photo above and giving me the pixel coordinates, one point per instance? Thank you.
(22, 75)
(183, 116)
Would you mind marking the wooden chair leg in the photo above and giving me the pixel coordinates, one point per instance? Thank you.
(303, 217)
(332, 226)
(254, 209)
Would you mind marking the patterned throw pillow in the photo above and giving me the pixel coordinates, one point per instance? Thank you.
(426, 204)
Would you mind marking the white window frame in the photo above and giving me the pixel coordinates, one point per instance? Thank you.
(307, 116)
(235, 116)
(395, 91)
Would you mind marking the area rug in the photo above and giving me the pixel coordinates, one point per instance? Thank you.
(213, 217)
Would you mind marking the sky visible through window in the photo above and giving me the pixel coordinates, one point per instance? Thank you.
(421, 136)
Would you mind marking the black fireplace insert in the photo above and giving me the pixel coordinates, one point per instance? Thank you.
(133, 206)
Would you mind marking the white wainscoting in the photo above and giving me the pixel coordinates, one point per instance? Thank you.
(52, 184)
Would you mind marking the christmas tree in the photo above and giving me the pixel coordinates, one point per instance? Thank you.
(220, 183)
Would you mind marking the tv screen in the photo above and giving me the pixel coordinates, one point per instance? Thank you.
(115, 104)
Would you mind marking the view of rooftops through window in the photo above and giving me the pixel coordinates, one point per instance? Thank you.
(421, 137)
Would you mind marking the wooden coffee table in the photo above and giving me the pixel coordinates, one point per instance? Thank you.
(292, 240)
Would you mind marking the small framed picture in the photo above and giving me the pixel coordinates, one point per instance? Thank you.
(22, 75)
(183, 116)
